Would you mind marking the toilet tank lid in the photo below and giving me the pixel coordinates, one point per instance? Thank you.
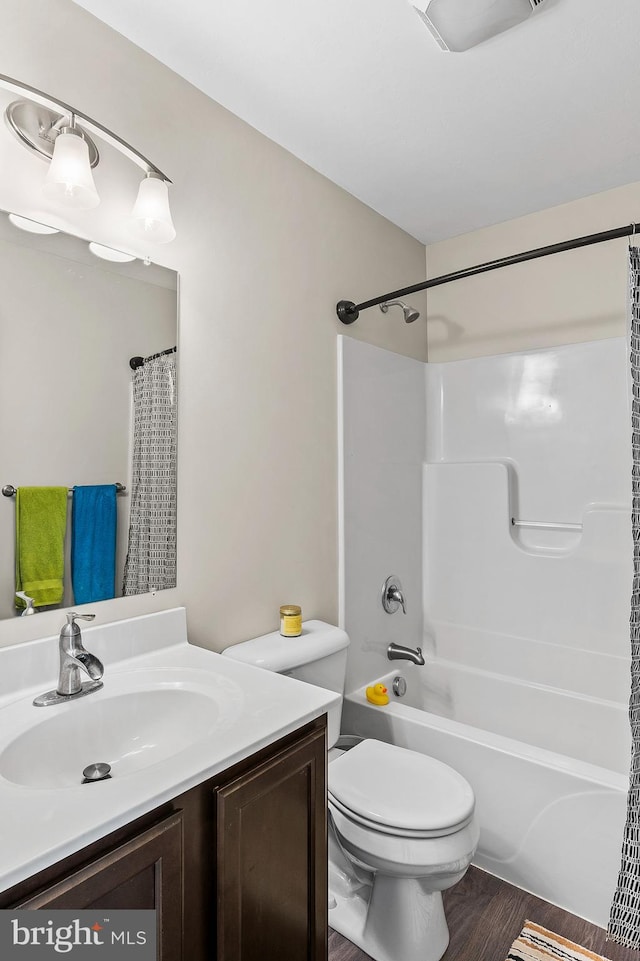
(273, 652)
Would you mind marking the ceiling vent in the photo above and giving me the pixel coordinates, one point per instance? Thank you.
(458, 25)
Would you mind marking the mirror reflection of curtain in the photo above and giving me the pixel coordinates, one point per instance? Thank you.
(151, 555)
(624, 919)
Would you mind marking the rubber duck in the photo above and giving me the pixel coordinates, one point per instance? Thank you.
(377, 694)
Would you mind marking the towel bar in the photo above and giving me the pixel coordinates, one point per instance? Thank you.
(10, 491)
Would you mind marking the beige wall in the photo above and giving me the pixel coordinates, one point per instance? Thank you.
(265, 248)
(565, 298)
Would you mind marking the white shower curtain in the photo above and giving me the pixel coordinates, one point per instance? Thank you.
(624, 920)
(151, 555)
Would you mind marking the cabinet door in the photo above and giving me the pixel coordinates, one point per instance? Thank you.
(272, 858)
(145, 872)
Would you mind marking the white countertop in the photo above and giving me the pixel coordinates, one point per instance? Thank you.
(40, 826)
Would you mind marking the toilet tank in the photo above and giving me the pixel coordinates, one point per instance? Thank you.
(318, 656)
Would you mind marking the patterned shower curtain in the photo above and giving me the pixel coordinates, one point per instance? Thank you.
(151, 555)
(624, 920)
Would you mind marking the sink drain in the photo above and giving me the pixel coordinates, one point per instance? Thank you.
(96, 772)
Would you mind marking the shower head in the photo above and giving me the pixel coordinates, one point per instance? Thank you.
(410, 313)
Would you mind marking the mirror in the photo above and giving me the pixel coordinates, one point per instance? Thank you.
(69, 324)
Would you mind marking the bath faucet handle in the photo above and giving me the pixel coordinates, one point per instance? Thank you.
(392, 596)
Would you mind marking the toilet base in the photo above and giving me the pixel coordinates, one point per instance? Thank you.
(391, 919)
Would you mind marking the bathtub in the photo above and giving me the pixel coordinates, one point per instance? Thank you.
(551, 821)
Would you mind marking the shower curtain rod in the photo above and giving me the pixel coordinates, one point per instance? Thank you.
(347, 311)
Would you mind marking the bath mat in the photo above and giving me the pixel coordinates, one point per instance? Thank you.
(538, 944)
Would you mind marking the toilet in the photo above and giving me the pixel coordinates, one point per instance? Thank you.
(401, 824)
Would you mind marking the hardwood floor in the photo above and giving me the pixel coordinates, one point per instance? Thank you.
(486, 915)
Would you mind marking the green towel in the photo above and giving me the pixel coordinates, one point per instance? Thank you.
(41, 521)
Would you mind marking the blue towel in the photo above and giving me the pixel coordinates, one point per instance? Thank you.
(93, 543)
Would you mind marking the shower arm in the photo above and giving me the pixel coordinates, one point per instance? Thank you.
(348, 312)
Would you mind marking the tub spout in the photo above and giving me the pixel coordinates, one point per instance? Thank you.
(397, 652)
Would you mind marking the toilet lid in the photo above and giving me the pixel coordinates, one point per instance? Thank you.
(400, 789)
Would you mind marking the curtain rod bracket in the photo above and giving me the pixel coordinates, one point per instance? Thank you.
(135, 362)
(347, 311)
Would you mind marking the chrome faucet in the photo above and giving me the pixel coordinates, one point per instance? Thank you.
(397, 652)
(392, 596)
(73, 659)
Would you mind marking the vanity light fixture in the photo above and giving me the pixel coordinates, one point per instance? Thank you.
(151, 216)
(110, 253)
(63, 135)
(69, 179)
(32, 226)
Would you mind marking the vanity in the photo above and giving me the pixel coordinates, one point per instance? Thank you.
(215, 811)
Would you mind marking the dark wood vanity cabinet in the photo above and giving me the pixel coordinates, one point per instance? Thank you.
(272, 858)
(236, 868)
(143, 872)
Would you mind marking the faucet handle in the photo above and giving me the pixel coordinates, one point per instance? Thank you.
(72, 616)
(71, 629)
(395, 594)
(392, 596)
(28, 602)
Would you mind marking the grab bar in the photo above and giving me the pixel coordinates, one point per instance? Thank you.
(547, 525)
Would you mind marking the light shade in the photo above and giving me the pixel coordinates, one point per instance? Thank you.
(110, 253)
(32, 226)
(151, 216)
(458, 25)
(69, 180)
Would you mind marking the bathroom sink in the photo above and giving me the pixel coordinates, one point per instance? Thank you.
(136, 722)
(170, 716)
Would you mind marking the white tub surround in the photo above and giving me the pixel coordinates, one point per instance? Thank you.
(542, 438)
(436, 462)
(240, 709)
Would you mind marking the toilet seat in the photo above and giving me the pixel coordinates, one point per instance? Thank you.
(395, 791)
(377, 827)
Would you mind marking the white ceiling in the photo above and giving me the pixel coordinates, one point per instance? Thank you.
(439, 143)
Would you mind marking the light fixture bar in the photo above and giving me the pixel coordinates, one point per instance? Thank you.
(93, 126)
(37, 128)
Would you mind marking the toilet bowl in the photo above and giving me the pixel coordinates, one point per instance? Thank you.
(404, 831)
(401, 825)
